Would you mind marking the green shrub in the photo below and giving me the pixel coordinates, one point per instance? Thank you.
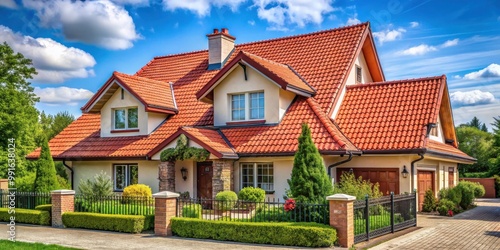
(46, 178)
(252, 194)
(149, 222)
(445, 205)
(226, 200)
(349, 184)
(137, 190)
(469, 191)
(45, 207)
(429, 204)
(192, 211)
(497, 185)
(29, 216)
(376, 222)
(290, 234)
(104, 207)
(26, 183)
(108, 222)
(100, 186)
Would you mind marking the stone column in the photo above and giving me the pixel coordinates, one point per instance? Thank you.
(62, 201)
(165, 209)
(342, 217)
(166, 176)
(222, 179)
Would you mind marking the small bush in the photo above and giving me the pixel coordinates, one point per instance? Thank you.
(100, 186)
(137, 190)
(29, 216)
(149, 222)
(469, 191)
(445, 205)
(108, 222)
(46, 207)
(497, 185)
(429, 204)
(226, 200)
(252, 194)
(26, 183)
(290, 234)
(192, 211)
(358, 187)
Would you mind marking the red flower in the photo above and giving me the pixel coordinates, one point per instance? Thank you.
(289, 205)
(450, 213)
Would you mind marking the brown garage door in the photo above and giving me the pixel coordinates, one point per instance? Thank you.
(387, 178)
(425, 181)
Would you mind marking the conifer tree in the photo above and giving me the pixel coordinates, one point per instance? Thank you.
(309, 182)
(46, 179)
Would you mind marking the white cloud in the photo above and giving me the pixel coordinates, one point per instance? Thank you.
(353, 20)
(414, 24)
(11, 4)
(493, 70)
(132, 2)
(388, 35)
(54, 62)
(62, 95)
(471, 98)
(418, 50)
(251, 22)
(101, 23)
(450, 43)
(200, 7)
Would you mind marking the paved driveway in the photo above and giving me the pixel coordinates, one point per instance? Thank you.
(478, 228)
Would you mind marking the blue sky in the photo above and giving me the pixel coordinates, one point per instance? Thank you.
(76, 45)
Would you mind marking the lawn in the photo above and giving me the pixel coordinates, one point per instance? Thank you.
(7, 244)
(376, 222)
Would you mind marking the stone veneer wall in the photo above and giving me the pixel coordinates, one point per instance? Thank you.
(166, 176)
(223, 174)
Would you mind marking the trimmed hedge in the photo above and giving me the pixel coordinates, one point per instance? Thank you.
(289, 234)
(46, 207)
(108, 222)
(29, 216)
(149, 222)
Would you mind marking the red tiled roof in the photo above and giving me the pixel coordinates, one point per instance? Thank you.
(390, 115)
(156, 96)
(267, 139)
(446, 149)
(279, 73)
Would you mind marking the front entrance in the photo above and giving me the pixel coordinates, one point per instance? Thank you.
(204, 177)
(387, 178)
(425, 181)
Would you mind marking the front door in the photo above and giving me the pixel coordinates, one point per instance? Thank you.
(425, 181)
(204, 183)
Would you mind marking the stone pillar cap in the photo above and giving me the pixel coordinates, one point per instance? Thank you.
(62, 191)
(340, 197)
(166, 194)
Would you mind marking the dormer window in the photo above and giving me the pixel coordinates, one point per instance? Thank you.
(126, 118)
(247, 106)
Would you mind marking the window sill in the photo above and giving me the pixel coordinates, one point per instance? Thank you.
(270, 192)
(125, 130)
(252, 122)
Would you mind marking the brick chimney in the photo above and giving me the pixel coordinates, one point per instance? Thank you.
(220, 47)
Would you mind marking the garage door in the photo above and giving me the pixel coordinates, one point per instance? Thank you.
(387, 178)
(425, 181)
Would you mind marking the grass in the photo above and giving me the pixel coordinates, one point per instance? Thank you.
(118, 208)
(7, 244)
(376, 222)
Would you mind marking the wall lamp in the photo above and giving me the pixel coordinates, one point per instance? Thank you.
(184, 173)
(404, 172)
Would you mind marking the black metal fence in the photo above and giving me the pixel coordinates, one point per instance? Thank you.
(28, 200)
(385, 215)
(248, 211)
(115, 205)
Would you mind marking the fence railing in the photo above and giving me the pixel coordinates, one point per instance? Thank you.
(246, 211)
(376, 217)
(28, 200)
(114, 205)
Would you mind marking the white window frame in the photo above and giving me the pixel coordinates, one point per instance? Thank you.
(256, 175)
(126, 118)
(247, 102)
(127, 175)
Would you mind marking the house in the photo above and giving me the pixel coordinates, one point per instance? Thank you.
(245, 105)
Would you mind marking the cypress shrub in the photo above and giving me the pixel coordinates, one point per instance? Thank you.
(46, 178)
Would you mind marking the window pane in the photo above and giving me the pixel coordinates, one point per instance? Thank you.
(257, 105)
(133, 121)
(247, 175)
(120, 177)
(238, 107)
(119, 119)
(265, 178)
(133, 174)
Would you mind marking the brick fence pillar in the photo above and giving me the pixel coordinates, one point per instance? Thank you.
(342, 217)
(165, 208)
(62, 201)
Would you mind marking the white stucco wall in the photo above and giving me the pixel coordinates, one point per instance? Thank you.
(276, 101)
(154, 120)
(182, 185)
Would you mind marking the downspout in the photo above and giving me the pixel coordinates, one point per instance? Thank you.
(71, 170)
(339, 163)
(413, 170)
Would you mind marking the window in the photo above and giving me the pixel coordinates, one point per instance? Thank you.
(358, 74)
(125, 175)
(126, 118)
(257, 175)
(434, 130)
(240, 111)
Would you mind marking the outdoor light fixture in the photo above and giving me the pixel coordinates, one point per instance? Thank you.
(350, 171)
(184, 173)
(404, 172)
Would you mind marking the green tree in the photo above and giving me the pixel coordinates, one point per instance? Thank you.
(484, 128)
(477, 144)
(474, 123)
(18, 115)
(309, 182)
(46, 178)
(496, 131)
